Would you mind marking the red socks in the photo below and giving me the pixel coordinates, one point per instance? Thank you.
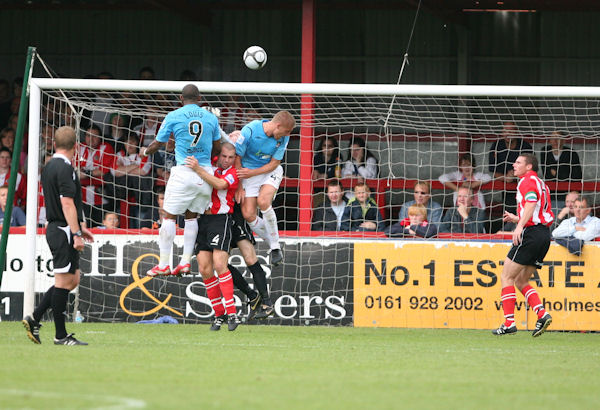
(533, 300)
(226, 285)
(213, 291)
(509, 298)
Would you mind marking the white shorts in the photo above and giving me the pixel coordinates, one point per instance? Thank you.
(252, 185)
(186, 190)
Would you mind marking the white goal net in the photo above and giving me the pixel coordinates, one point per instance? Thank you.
(415, 133)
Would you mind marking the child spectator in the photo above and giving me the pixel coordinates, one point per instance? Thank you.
(110, 221)
(415, 224)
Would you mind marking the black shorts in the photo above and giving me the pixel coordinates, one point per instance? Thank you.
(535, 242)
(240, 229)
(65, 258)
(214, 232)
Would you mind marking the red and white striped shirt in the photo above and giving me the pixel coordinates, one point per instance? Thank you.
(532, 189)
(222, 199)
(20, 187)
(89, 159)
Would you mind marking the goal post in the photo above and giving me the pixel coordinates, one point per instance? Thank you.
(416, 132)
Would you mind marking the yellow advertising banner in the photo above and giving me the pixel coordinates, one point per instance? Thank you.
(456, 285)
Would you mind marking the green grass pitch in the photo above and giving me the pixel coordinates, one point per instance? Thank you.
(277, 367)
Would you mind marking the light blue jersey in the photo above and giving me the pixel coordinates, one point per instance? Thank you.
(256, 148)
(194, 129)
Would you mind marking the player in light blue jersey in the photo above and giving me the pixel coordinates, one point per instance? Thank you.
(260, 148)
(195, 131)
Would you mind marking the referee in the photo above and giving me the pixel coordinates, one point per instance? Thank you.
(65, 234)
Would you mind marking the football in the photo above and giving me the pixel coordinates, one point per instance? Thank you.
(255, 57)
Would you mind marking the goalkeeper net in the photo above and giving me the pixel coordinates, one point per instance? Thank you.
(414, 132)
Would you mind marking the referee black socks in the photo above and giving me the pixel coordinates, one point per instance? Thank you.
(60, 297)
(44, 305)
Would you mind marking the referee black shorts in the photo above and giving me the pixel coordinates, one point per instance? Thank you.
(214, 232)
(535, 242)
(240, 229)
(65, 258)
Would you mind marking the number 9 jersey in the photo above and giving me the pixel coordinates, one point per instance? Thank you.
(194, 129)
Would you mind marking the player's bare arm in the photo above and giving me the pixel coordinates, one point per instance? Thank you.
(244, 173)
(527, 214)
(215, 182)
(152, 148)
(70, 211)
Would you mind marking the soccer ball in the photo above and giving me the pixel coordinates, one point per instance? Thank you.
(255, 57)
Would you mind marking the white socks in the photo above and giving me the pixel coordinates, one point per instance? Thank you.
(258, 226)
(190, 231)
(270, 221)
(166, 235)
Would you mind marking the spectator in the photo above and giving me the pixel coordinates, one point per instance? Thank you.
(464, 217)
(582, 226)
(568, 210)
(118, 132)
(21, 184)
(46, 144)
(110, 221)
(505, 151)
(131, 180)
(559, 162)
(415, 224)
(188, 75)
(96, 158)
(503, 154)
(146, 73)
(163, 160)
(465, 176)
(158, 213)
(328, 216)
(422, 196)
(148, 129)
(361, 212)
(18, 216)
(361, 162)
(326, 162)
(7, 138)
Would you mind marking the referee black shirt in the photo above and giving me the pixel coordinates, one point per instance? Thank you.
(59, 179)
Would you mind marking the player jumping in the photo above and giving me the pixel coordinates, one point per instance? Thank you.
(195, 131)
(260, 148)
(531, 240)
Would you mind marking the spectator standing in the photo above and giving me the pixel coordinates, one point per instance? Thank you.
(422, 195)
(131, 178)
(505, 151)
(467, 177)
(361, 212)
(559, 164)
(328, 216)
(96, 159)
(163, 160)
(326, 162)
(361, 162)
(464, 217)
(148, 129)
